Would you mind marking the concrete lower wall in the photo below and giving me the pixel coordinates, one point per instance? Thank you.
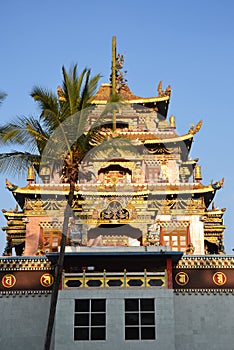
(165, 337)
(204, 322)
(23, 322)
(183, 322)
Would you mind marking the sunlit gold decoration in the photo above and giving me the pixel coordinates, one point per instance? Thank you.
(10, 186)
(114, 211)
(174, 223)
(167, 206)
(172, 121)
(218, 184)
(47, 280)
(108, 279)
(160, 92)
(197, 173)
(201, 262)
(51, 225)
(8, 281)
(193, 130)
(158, 149)
(40, 205)
(182, 278)
(219, 278)
(31, 174)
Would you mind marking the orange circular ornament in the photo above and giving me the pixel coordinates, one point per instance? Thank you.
(219, 278)
(47, 280)
(8, 281)
(181, 278)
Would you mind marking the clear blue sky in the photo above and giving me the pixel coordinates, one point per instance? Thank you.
(187, 44)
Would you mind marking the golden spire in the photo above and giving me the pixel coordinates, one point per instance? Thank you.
(31, 177)
(113, 80)
(172, 121)
(197, 173)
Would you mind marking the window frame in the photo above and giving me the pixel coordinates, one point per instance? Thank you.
(90, 327)
(140, 319)
(180, 234)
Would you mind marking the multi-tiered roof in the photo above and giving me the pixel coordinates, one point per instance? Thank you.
(142, 188)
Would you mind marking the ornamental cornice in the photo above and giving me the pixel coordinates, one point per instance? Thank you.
(204, 292)
(173, 224)
(9, 264)
(54, 225)
(206, 262)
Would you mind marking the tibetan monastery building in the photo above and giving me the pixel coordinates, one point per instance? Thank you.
(144, 263)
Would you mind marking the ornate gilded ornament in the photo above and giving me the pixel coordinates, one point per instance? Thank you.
(8, 281)
(47, 280)
(193, 130)
(219, 278)
(114, 211)
(182, 278)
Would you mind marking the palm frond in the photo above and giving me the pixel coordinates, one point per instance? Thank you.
(49, 106)
(72, 87)
(93, 84)
(61, 125)
(39, 135)
(15, 131)
(17, 163)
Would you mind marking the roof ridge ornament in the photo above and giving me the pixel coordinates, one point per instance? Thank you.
(193, 130)
(162, 92)
(219, 184)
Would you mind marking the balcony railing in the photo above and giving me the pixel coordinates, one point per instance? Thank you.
(114, 280)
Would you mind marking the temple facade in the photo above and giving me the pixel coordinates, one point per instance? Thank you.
(144, 264)
(140, 188)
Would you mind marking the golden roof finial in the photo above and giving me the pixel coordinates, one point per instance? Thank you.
(193, 130)
(172, 121)
(160, 91)
(113, 76)
(31, 174)
(197, 173)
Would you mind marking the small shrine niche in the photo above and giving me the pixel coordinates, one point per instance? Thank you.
(115, 173)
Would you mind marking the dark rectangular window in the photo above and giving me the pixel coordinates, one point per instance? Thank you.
(139, 319)
(90, 319)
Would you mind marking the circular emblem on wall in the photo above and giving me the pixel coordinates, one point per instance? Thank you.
(8, 281)
(47, 280)
(219, 278)
(181, 278)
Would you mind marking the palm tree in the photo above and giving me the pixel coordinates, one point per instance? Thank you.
(75, 95)
(32, 135)
(29, 136)
(56, 110)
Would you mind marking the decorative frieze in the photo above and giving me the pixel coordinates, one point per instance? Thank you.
(20, 264)
(206, 262)
(204, 292)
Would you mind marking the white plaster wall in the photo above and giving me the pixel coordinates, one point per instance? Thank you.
(197, 234)
(173, 171)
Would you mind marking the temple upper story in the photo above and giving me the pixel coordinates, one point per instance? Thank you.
(137, 185)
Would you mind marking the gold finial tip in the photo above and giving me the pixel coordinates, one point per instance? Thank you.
(198, 175)
(172, 121)
(31, 174)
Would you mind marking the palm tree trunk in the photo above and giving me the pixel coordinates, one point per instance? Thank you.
(59, 269)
